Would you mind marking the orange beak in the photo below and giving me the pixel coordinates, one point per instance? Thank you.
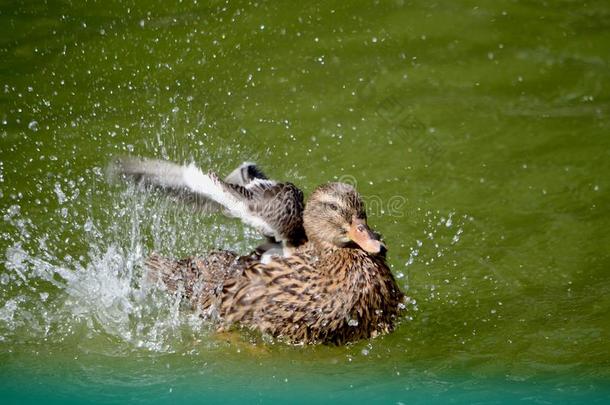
(362, 235)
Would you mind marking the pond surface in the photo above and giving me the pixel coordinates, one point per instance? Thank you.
(478, 134)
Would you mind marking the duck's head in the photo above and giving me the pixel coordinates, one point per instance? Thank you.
(335, 216)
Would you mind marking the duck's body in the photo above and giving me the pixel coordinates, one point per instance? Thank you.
(338, 296)
(335, 288)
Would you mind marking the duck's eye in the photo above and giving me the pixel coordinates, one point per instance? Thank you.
(332, 206)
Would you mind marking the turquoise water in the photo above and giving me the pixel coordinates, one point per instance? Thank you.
(197, 386)
(477, 134)
(264, 379)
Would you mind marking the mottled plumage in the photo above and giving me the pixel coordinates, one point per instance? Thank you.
(335, 288)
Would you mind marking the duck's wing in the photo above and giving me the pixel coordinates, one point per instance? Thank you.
(161, 175)
(275, 209)
(168, 177)
(245, 173)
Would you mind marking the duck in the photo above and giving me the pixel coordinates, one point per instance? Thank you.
(273, 208)
(335, 288)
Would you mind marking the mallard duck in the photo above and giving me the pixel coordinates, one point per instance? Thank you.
(335, 288)
(273, 208)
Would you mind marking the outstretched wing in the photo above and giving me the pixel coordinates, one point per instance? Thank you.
(168, 177)
(161, 175)
(275, 209)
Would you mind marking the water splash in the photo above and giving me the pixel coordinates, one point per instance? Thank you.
(97, 287)
(440, 234)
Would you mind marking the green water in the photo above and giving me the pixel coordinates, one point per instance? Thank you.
(478, 133)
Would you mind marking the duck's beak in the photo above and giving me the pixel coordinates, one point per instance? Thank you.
(361, 234)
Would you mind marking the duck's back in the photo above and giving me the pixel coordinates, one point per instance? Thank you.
(198, 279)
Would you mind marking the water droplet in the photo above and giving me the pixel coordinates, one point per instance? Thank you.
(61, 197)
